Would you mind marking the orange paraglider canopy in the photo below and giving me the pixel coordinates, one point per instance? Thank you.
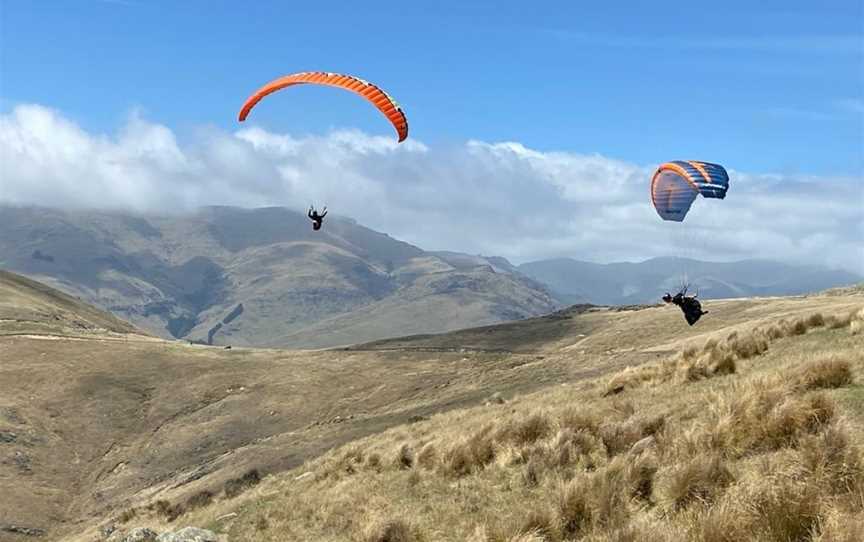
(372, 93)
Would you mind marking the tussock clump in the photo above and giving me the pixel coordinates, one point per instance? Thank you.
(166, 510)
(236, 486)
(702, 479)
(638, 530)
(763, 415)
(722, 522)
(842, 528)
(798, 327)
(815, 320)
(540, 523)
(709, 345)
(199, 500)
(373, 461)
(715, 360)
(427, 456)
(619, 437)
(640, 475)
(570, 448)
(748, 346)
(127, 515)
(689, 353)
(578, 420)
(827, 372)
(593, 499)
(634, 377)
(394, 530)
(774, 332)
(724, 366)
(347, 463)
(835, 321)
(695, 372)
(832, 458)
(468, 456)
(533, 472)
(404, 457)
(653, 425)
(794, 418)
(526, 430)
(787, 509)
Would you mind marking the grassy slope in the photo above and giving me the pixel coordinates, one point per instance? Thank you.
(29, 306)
(755, 434)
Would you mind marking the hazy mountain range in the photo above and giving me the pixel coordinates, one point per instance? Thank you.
(262, 277)
(572, 281)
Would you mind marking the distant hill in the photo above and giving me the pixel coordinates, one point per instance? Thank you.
(227, 275)
(574, 281)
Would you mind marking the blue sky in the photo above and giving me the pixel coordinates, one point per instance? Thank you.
(775, 87)
(534, 127)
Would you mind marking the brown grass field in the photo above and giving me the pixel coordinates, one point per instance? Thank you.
(590, 424)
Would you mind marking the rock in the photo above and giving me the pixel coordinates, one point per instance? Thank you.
(11, 415)
(495, 399)
(140, 534)
(22, 462)
(642, 445)
(8, 436)
(189, 534)
(107, 530)
(24, 531)
(303, 476)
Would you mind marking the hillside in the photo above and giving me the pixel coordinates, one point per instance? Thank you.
(115, 422)
(259, 277)
(28, 306)
(574, 281)
(749, 428)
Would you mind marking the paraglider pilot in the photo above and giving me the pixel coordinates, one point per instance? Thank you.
(316, 218)
(690, 306)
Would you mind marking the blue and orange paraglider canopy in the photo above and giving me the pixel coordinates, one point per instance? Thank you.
(676, 184)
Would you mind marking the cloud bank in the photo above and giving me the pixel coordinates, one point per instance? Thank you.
(491, 198)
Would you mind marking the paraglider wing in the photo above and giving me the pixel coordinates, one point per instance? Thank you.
(380, 99)
(714, 182)
(676, 184)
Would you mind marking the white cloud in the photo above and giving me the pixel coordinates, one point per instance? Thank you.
(492, 198)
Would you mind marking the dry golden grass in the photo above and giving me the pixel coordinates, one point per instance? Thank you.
(764, 453)
(705, 444)
(393, 530)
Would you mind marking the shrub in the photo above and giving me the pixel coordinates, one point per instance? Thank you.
(236, 486)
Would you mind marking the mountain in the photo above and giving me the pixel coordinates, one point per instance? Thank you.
(262, 277)
(575, 281)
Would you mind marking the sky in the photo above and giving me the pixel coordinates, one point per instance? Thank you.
(534, 127)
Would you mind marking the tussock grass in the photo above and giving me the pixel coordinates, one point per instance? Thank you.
(236, 486)
(699, 480)
(199, 500)
(393, 530)
(829, 371)
(739, 438)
